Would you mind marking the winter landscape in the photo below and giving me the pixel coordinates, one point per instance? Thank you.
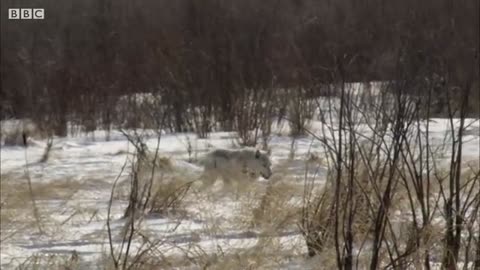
(64, 200)
(241, 135)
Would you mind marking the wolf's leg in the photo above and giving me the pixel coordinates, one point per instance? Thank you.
(227, 182)
(233, 186)
(228, 185)
(207, 179)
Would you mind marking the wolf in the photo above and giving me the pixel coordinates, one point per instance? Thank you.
(234, 166)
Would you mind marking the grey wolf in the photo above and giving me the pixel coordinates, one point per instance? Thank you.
(234, 166)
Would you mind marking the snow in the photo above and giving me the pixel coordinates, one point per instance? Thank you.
(93, 163)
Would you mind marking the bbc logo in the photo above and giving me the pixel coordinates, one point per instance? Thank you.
(26, 13)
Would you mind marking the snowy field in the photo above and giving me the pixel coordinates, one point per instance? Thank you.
(73, 187)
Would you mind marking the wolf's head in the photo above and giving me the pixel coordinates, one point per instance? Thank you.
(261, 164)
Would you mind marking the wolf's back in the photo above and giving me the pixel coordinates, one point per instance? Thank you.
(214, 158)
(206, 160)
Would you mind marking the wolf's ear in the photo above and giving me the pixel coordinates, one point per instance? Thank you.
(257, 154)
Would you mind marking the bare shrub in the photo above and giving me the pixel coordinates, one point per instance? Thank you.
(149, 193)
(385, 182)
(139, 110)
(300, 111)
(317, 222)
(253, 116)
(47, 151)
(148, 173)
(167, 198)
(203, 120)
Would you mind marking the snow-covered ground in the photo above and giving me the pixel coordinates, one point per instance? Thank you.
(72, 190)
(77, 221)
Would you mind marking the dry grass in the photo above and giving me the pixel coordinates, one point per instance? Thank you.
(19, 215)
(266, 209)
(278, 208)
(51, 261)
(167, 197)
(269, 207)
(161, 187)
(153, 167)
(259, 256)
(15, 195)
(263, 212)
